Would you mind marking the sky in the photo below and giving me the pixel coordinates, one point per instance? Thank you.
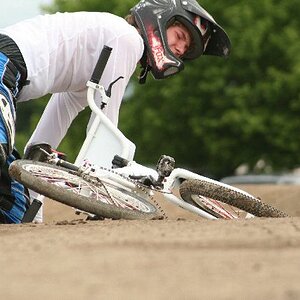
(13, 11)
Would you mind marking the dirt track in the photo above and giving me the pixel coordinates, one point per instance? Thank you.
(183, 257)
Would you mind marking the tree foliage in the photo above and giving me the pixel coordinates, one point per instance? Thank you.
(220, 113)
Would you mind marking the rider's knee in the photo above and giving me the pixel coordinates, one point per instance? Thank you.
(7, 124)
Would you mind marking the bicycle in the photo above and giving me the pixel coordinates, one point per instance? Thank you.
(95, 183)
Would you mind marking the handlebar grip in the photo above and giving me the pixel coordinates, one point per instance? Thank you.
(102, 61)
(65, 164)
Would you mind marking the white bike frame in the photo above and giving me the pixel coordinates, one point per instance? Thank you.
(104, 141)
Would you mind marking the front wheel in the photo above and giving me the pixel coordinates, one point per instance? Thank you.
(196, 192)
(99, 196)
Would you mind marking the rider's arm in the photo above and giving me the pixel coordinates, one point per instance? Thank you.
(64, 107)
(59, 113)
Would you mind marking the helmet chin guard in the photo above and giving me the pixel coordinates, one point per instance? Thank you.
(153, 17)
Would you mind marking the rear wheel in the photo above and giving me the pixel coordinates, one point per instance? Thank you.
(98, 196)
(207, 194)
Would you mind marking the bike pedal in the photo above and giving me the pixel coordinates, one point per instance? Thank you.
(32, 211)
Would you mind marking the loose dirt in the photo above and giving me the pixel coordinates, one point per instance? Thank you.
(183, 257)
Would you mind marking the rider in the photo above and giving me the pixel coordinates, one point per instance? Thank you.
(55, 54)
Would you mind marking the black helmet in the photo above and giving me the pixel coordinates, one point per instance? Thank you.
(153, 17)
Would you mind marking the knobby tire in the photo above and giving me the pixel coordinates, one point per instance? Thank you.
(228, 195)
(19, 171)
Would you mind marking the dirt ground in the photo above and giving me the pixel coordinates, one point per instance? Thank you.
(183, 257)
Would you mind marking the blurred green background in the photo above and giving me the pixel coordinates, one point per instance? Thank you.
(218, 114)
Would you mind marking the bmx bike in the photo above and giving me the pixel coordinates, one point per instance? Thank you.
(97, 185)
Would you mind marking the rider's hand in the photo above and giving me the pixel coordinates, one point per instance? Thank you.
(40, 152)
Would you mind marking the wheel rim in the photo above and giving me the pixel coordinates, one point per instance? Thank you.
(104, 191)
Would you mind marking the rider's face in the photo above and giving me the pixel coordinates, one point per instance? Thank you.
(179, 39)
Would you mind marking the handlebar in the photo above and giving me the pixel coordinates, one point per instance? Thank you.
(93, 83)
(101, 63)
